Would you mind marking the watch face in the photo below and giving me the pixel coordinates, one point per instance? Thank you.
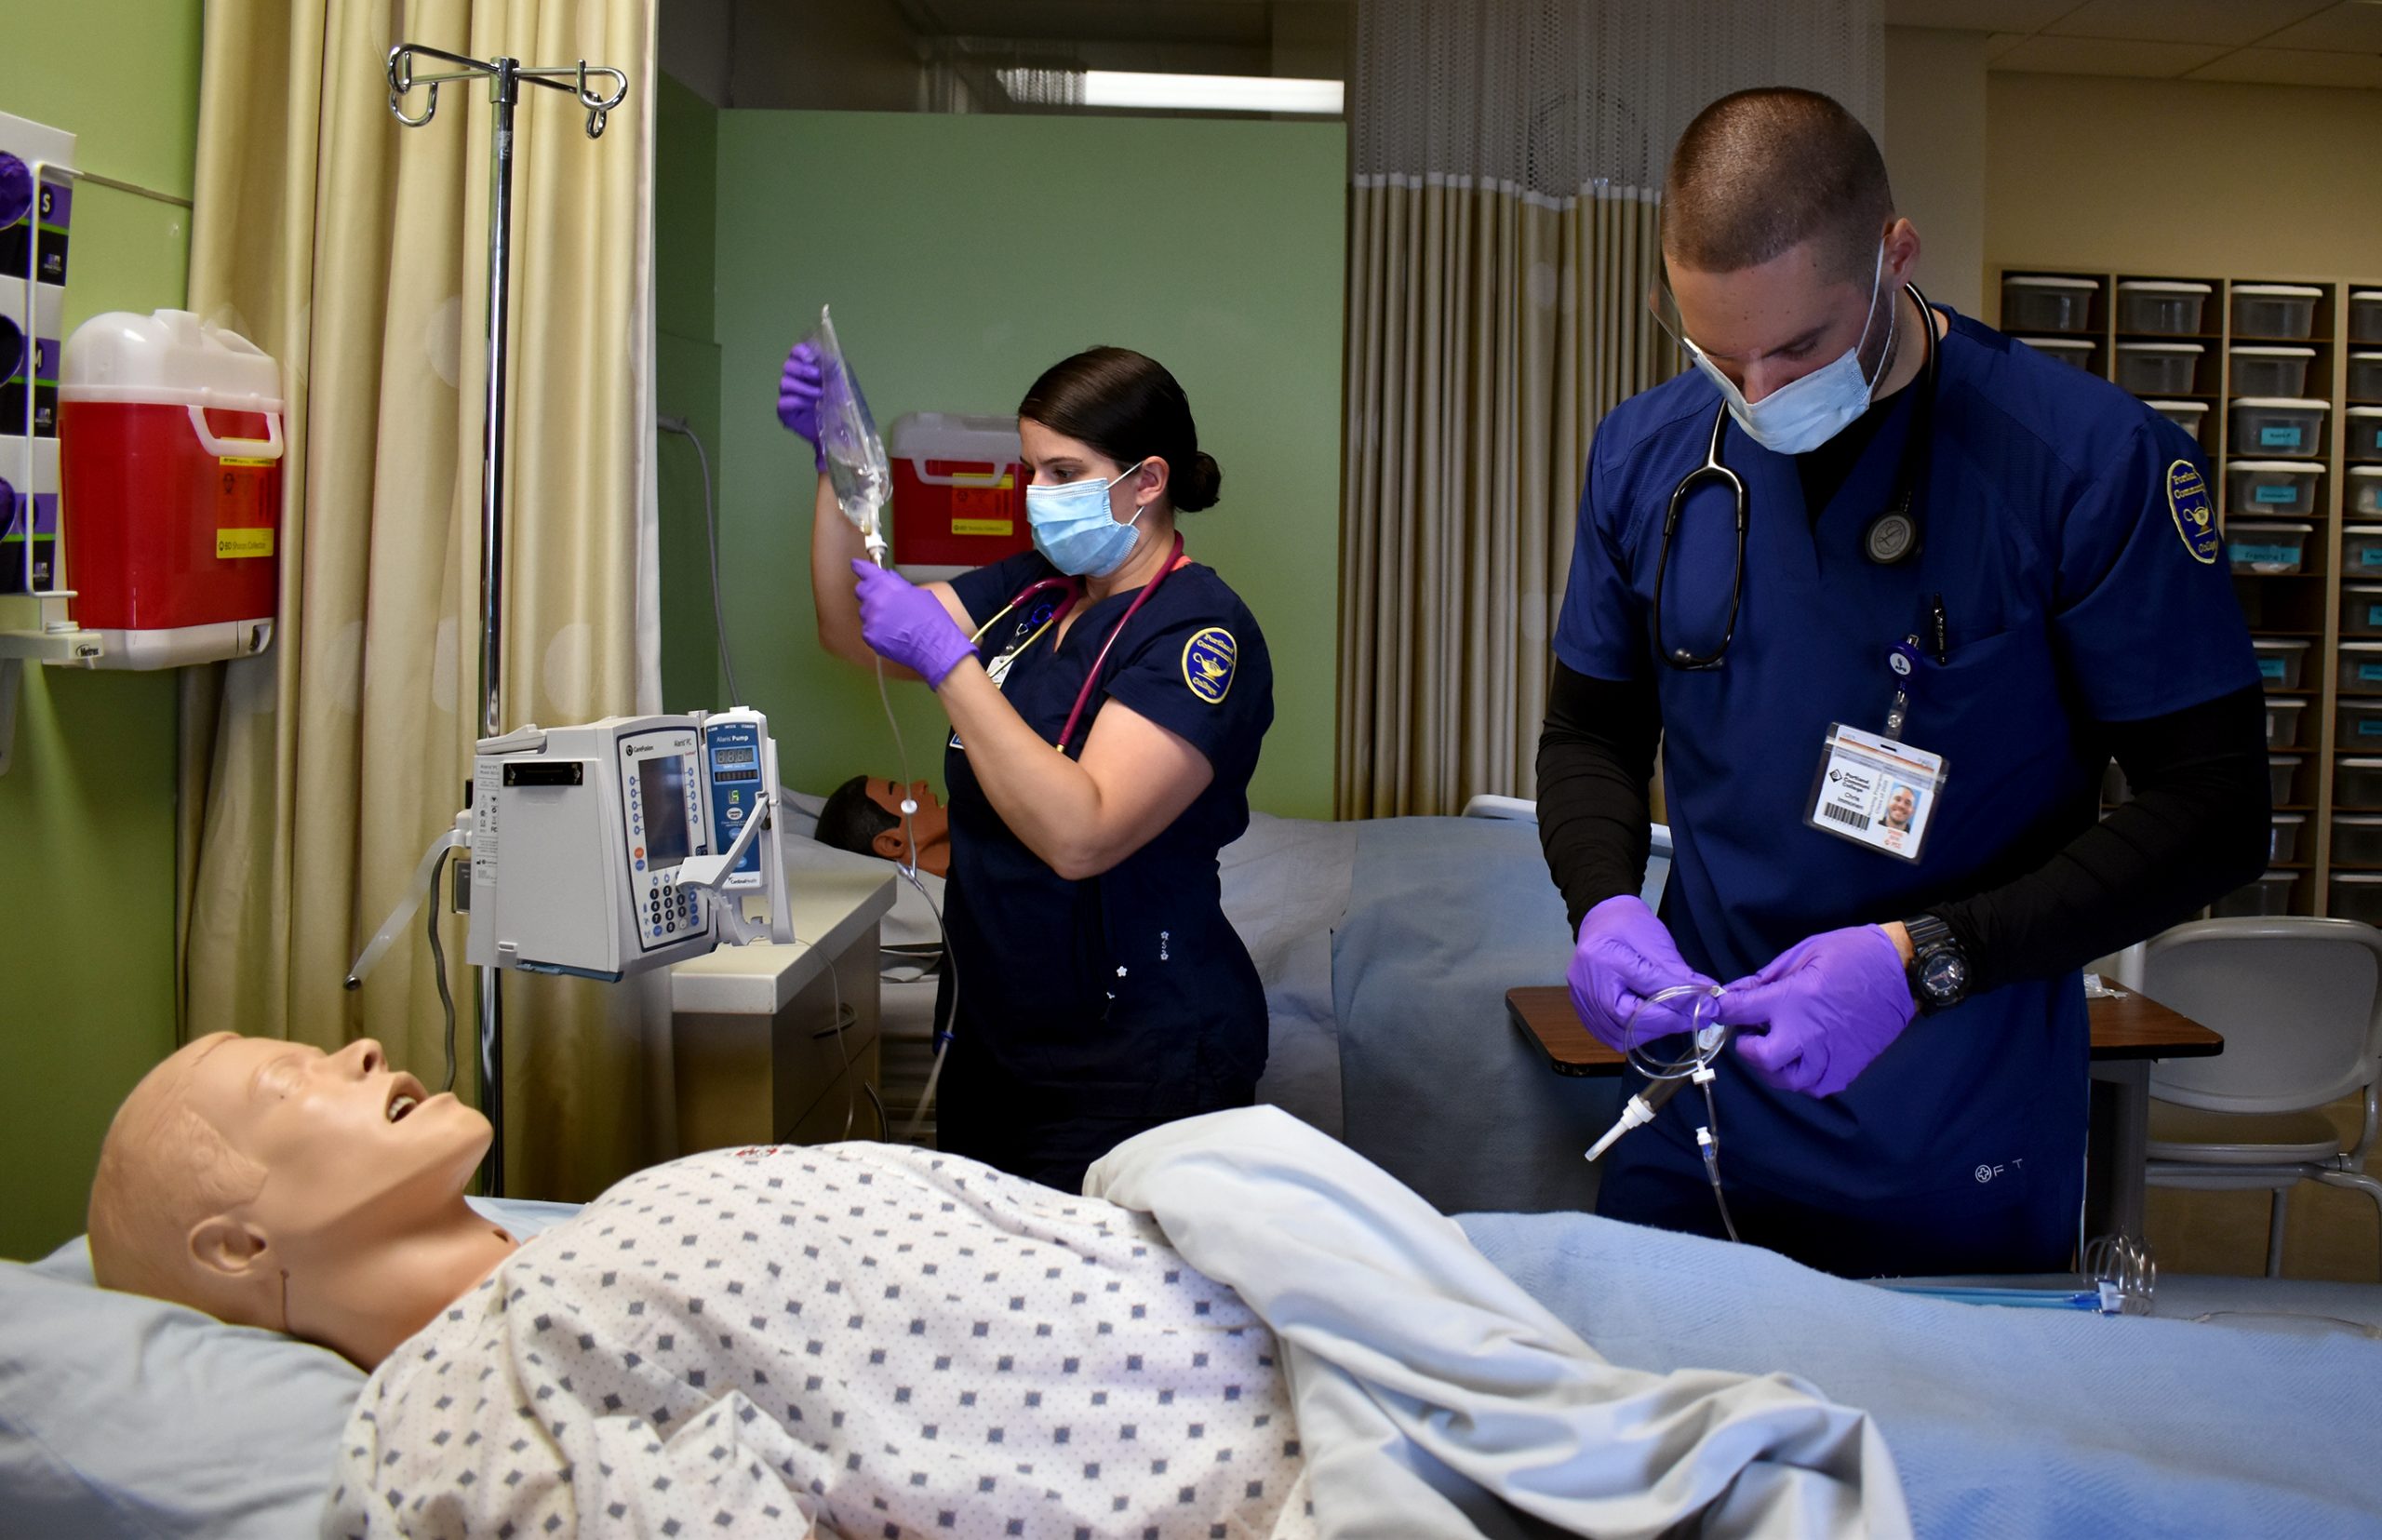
(1943, 975)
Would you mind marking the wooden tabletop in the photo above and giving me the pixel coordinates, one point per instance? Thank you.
(2130, 1027)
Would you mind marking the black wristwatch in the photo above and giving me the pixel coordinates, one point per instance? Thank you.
(1938, 969)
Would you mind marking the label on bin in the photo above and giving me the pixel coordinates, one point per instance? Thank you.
(2278, 437)
(999, 528)
(2270, 668)
(2275, 492)
(2262, 555)
(239, 544)
(2369, 673)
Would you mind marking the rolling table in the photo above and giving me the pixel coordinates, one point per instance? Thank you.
(2130, 1032)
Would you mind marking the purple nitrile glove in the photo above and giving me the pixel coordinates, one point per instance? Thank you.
(1830, 1004)
(1625, 954)
(907, 625)
(798, 388)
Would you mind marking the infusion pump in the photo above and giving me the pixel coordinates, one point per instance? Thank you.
(630, 843)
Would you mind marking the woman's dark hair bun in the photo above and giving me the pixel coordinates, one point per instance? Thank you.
(1195, 485)
(1128, 408)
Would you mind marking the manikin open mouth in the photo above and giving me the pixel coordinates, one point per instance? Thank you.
(404, 1095)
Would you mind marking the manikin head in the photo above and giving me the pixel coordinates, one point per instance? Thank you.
(272, 1184)
(1780, 239)
(864, 816)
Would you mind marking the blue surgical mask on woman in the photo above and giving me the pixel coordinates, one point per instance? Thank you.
(1074, 529)
(1803, 414)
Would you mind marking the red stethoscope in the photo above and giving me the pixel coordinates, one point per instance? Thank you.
(1073, 589)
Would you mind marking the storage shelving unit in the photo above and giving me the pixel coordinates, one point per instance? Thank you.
(2310, 604)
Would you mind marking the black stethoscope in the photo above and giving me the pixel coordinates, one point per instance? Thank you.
(1891, 538)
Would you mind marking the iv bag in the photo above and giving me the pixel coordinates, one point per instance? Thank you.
(856, 462)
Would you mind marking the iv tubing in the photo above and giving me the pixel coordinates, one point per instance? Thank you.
(423, 876)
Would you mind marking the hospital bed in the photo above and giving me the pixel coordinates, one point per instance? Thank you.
(121, 1416)
(1385, 948)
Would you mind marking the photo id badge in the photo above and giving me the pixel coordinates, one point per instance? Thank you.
(1876, 792)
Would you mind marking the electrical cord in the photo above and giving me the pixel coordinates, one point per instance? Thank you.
(439, 972)
(711, 538)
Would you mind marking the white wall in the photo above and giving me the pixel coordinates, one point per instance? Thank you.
(1936, 157)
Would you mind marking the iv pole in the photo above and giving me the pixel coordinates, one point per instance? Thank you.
(505, 78)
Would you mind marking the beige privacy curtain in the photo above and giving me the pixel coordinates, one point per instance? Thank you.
(354, 251)
(1502, 239)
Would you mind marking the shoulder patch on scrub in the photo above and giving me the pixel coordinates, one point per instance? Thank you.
(2187, 506)
(1206, 663)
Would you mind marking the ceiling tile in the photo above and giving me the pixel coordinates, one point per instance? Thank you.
(2050, 55)
(2231, 22)
(2018, 16)
(2294, 67)
(2345, 28)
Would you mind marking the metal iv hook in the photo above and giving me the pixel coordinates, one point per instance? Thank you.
(502, 74)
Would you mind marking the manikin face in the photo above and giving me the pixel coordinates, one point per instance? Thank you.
(931, 826)
(1768, 326)
(346, 1144)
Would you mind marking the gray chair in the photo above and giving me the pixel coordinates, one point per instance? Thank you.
(2299, 1003)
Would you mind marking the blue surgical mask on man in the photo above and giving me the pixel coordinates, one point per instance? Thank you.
(1803, 414)
(1074, 529)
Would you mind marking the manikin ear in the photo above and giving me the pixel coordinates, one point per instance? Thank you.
(888, 844)
(226, 1247)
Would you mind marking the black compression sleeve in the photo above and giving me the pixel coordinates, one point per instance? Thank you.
(2195, 829)
(1595, 762)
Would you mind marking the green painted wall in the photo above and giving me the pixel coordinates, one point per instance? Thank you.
(685, 384)
(86, 814)
(964, 255)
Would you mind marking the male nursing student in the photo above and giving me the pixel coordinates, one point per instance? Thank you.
(1884, 678)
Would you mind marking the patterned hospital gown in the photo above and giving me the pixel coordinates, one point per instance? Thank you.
(883, 1340)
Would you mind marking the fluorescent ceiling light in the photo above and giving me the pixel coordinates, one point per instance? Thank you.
(1211, 93)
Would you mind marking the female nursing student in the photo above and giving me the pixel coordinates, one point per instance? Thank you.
(1100, 991)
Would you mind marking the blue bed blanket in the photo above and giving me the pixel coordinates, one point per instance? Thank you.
(2003, 1423)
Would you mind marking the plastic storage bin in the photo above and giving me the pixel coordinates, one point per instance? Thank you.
(2364, 499)
(2283, 719)
(2360, 668)
(2271, 370)
(2285, 486)
(2275, 310)
(2361, 609)
(2361, 551)
(2366, 376)
(2267, 547)
(2286, 839)
(2192, 416)
(2362, 433)
(2160, 307)
(2357, 839)
(2271, 894)
(2282, 660)
(2358, 783)
(2168, 369)
(2279, 425)
(2042, 303)
(2357, 895)
(2283, 771)
(2359, 728)
(2364, 315)
(2075, 351)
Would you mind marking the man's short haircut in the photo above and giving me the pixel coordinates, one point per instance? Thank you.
(851, 820)
(1758, 172)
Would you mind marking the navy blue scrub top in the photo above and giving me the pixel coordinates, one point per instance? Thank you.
(1128, 992)
(2070, 534)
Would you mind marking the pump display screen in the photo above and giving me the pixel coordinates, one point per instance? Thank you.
(661, 783)
(736, 764)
